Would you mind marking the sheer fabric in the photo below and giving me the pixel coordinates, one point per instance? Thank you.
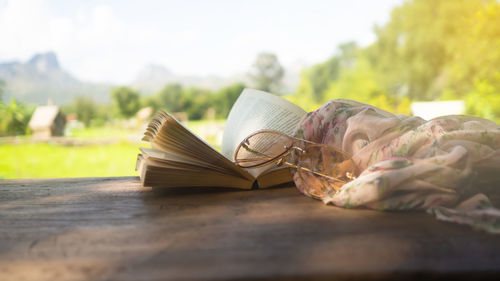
(406, 163)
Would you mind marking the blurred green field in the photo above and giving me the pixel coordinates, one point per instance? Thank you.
(50, 160)
(103, 132)
(43, 160)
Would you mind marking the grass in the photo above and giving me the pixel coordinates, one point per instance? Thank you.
(102, 132)
(45, 160)
(42, 160)
(200, 127)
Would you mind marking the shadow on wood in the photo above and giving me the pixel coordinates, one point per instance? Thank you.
(112, 228)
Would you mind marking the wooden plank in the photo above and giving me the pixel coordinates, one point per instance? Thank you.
(112, 228)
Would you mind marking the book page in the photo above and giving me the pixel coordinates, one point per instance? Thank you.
(256, 110)
(154, 172)
(173, 142)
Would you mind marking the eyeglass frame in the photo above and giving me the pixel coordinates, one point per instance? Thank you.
(280, 159)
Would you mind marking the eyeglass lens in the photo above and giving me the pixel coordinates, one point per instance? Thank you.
(261, 148)
(324, 169)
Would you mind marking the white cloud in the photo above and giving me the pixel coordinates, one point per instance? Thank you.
(113, 40)
(23, 25)
(87, 44)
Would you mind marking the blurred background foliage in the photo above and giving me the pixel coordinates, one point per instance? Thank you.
(15, 118)
(429, 50)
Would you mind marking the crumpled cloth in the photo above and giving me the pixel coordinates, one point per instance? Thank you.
(406, 163)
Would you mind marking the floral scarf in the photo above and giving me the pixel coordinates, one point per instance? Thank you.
(406, 163)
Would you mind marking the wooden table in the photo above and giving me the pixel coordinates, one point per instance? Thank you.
(112, 228)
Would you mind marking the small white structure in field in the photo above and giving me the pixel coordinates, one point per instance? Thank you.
(144, 114)
(47, 121)
(433, 109)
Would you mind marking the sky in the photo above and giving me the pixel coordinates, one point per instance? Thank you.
(111, 41)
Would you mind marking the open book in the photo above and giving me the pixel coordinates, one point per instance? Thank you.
(180, 158)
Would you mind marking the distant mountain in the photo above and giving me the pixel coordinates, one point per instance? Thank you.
(154, 77)
(41, 78)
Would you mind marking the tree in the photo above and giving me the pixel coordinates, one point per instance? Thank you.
(321, 75)
(15, 118)
(85, 109)
(151, 101)
(126, 100)
(193, 101)
(225, 98)
(198, 102)
(2, 84)
(172, 98)
(429, 50)
(431, 45)
(267, 72)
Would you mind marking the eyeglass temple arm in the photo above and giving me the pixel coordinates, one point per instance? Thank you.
(283, 162)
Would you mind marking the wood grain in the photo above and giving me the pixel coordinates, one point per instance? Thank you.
(114, 229)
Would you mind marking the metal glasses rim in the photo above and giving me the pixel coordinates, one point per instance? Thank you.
(283, 153)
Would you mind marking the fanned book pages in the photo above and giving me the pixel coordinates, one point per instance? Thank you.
(180, 158)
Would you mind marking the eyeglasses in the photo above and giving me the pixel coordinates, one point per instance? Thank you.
(322, 168)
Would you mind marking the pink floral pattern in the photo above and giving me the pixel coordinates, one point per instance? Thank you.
(407, 163)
